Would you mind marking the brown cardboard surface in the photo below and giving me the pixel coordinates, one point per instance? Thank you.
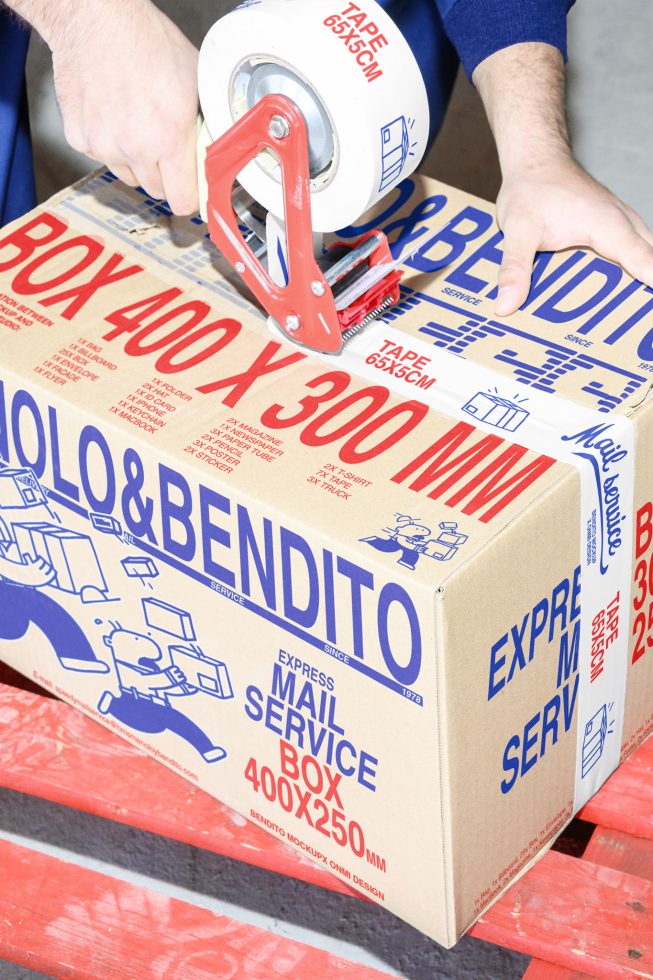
(533, 559)
(212, 540)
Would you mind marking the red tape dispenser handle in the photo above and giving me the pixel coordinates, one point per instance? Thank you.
(305, 308)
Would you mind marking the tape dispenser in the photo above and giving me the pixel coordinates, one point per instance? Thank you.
(310, 117)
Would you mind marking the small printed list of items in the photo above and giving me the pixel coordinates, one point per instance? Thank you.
(80, 360)
(226, 445)
(337, 481)
(151, 405)
(16, 316)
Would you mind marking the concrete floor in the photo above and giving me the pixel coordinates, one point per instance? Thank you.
(610, 99)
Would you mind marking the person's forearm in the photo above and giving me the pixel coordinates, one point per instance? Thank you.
(54, 18)
(46, 16)
(523, 91)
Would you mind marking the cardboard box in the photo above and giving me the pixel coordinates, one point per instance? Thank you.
(341, 594)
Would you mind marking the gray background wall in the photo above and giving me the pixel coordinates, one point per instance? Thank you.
(610, 100)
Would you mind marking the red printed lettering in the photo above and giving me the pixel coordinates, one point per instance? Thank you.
(643, 529)
(90, 250)
(79, 295)
(643, 582)
(129, 319)
(262, 365)
(495, 482)
(350, 27)
(39, 231)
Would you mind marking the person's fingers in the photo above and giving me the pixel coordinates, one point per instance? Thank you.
(179, 177)
(520, 244)
(621, 243)
(123, 173)
(148, 176)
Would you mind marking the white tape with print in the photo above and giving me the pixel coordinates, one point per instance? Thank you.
(354, 63)
(601, 447)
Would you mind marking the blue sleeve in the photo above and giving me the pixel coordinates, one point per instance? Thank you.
(17, 193)
(478, 28)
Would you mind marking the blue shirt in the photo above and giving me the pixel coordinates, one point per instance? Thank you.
(17, 193)
(478, 28)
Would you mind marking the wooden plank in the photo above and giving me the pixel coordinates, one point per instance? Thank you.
(54, 752)
(539, 970)
(623, 852)
(76, 924)
(577, 915)
(612, 849)
(625, 801)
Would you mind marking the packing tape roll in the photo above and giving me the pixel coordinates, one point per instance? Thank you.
(354, 77)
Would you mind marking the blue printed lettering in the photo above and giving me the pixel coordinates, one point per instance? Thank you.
(23, 402)
(59, 482)
(91, 436)
(241, 556)
(611, 275)
(393, 593)
(294, 547)
(248, 546)
(214, 534)
(455, 235)
(487, 252)
(176, 514)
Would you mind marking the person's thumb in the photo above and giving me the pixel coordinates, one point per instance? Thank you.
(519, 247)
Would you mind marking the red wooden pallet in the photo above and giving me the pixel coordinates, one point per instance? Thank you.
(594, 916)
(580, 917)
(67, 921)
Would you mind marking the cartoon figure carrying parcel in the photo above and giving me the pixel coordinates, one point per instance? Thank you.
(26, 569)
(22, 605)
(412, 539)
(148, 683)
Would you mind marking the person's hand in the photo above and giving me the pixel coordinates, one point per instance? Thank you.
(547, 201)
(126, 83)
(558, 205)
